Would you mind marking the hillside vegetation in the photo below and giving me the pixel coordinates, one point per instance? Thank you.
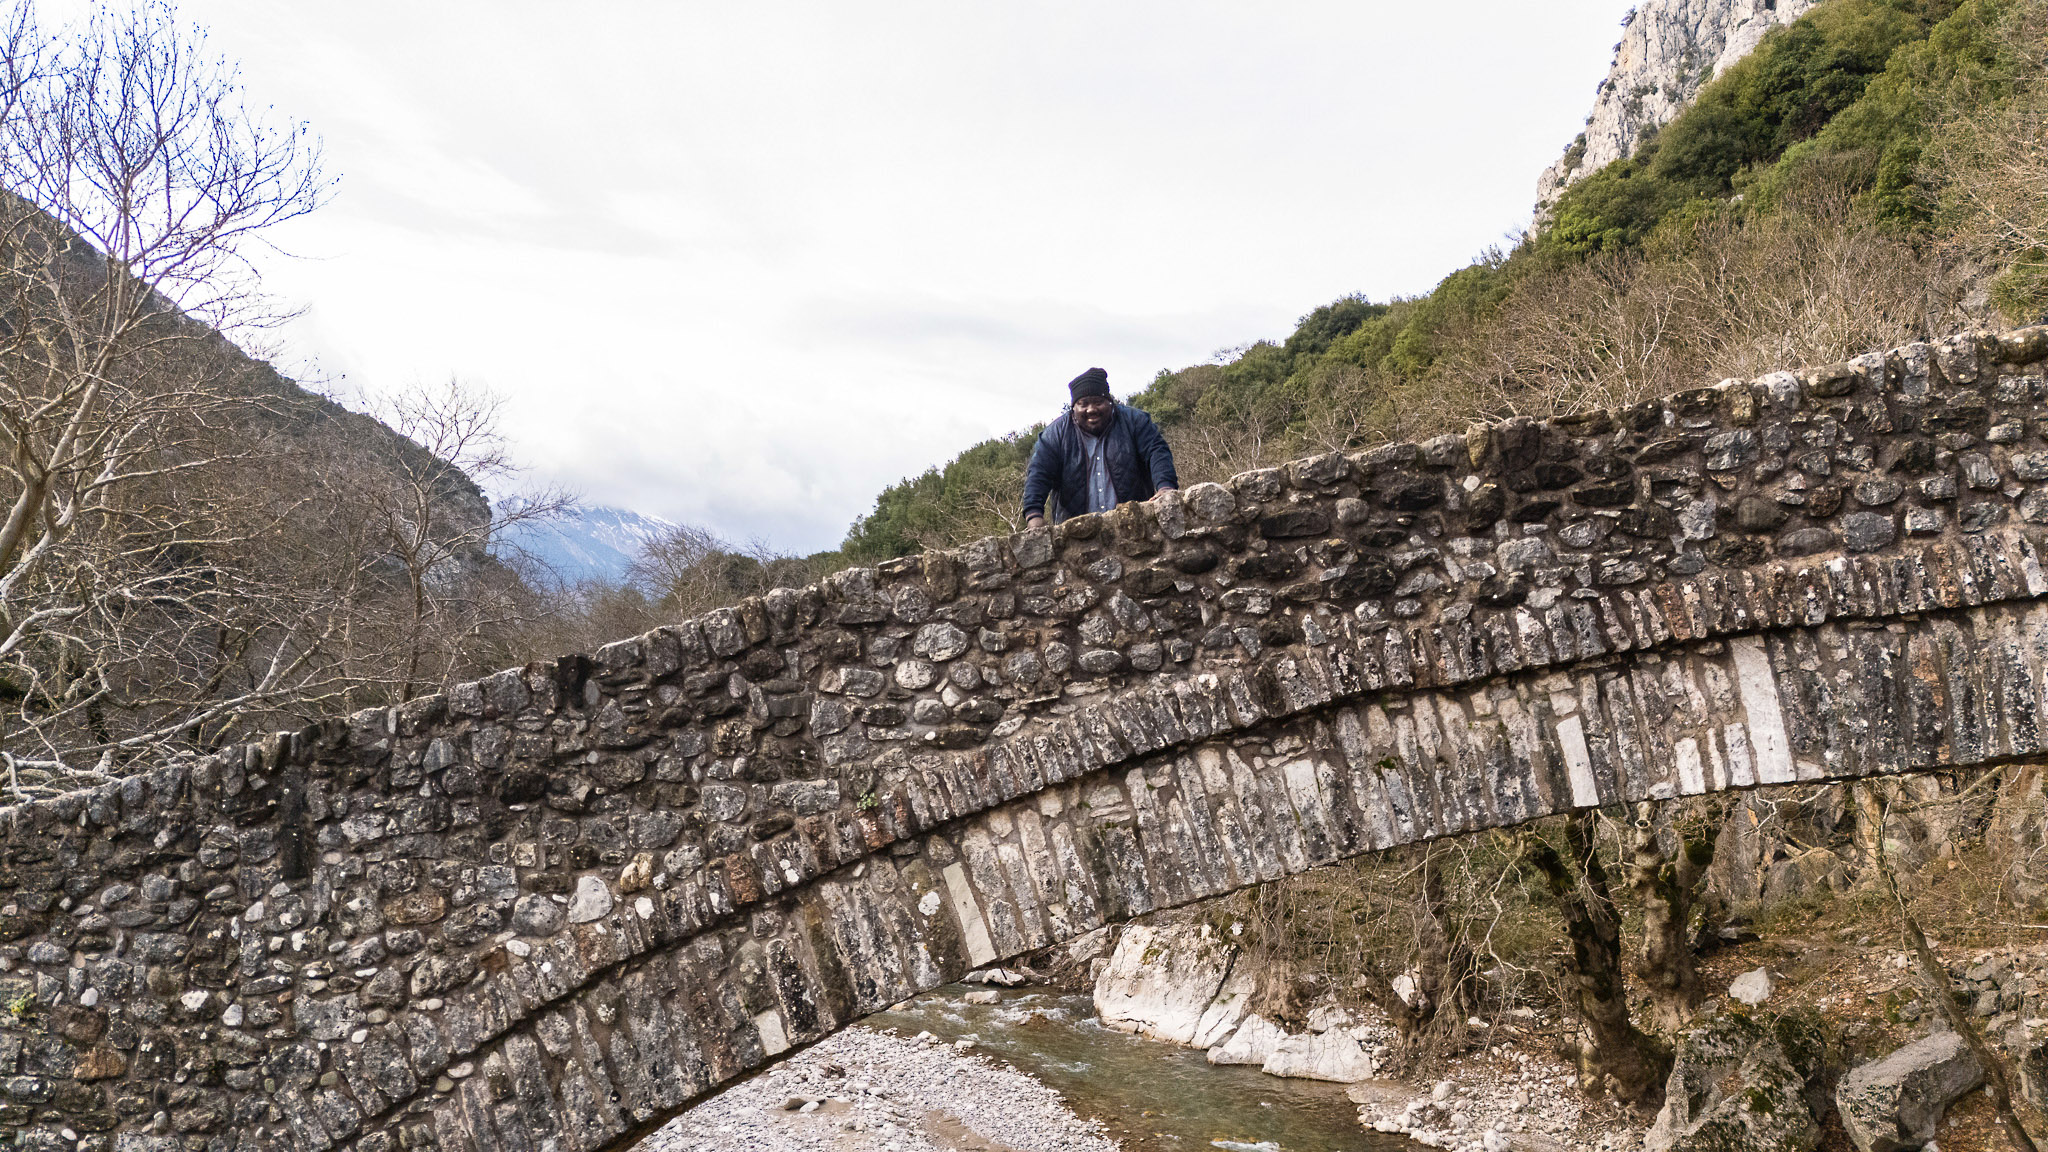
(1872, 173)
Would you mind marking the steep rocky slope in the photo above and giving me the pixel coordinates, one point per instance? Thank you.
(1669, 50)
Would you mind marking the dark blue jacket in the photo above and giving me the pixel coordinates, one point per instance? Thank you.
(1140, 463)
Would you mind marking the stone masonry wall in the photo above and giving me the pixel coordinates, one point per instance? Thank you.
(547, 909)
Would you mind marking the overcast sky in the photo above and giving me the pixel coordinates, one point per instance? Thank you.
(744, 264)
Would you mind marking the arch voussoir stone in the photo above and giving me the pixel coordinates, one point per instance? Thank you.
(549, 909)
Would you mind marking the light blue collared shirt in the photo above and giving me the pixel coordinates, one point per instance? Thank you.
(1101, 493)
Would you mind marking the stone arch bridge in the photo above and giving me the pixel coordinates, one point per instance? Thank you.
(544, 911)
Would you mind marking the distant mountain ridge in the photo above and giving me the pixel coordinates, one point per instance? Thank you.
(591, 542)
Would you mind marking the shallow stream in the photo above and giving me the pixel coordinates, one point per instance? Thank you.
(1153, 1097)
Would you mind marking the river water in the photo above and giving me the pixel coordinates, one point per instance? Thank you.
(1153, 1097)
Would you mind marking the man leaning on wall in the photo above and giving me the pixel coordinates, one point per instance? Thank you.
(1097, 455)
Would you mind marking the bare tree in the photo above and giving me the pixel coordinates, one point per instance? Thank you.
(1237, 432)
(422, 536)
(1429, 1001)
(1821, 279)
(559, 614)
(1990, 164)
(1935, 984)
(692, 569)
(137, 182)
(986, 502)
(1352, 410)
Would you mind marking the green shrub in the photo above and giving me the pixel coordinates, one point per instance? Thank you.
(1613, 209)
(1875, 144)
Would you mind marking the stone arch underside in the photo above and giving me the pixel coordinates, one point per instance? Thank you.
(548, 909)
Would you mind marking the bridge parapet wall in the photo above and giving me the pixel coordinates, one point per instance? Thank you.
(771, 819)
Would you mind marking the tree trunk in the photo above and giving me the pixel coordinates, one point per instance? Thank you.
(1934, 980)
(1614, 1055)
(1668, 886)
(1443, 975)
(1870, 797)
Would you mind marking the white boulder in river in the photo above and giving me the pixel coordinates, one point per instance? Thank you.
(1181, 982)
(1252, 1043)
(1175, 982)
(1333, 1055)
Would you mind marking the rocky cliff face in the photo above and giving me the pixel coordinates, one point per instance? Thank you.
(1669, 50)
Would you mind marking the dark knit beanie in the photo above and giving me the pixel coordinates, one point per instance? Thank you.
(1093, 382)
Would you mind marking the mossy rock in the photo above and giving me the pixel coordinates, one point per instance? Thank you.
(1744, 1082)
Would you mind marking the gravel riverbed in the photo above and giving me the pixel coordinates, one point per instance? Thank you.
(864, 1090)
(1497, 1100)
